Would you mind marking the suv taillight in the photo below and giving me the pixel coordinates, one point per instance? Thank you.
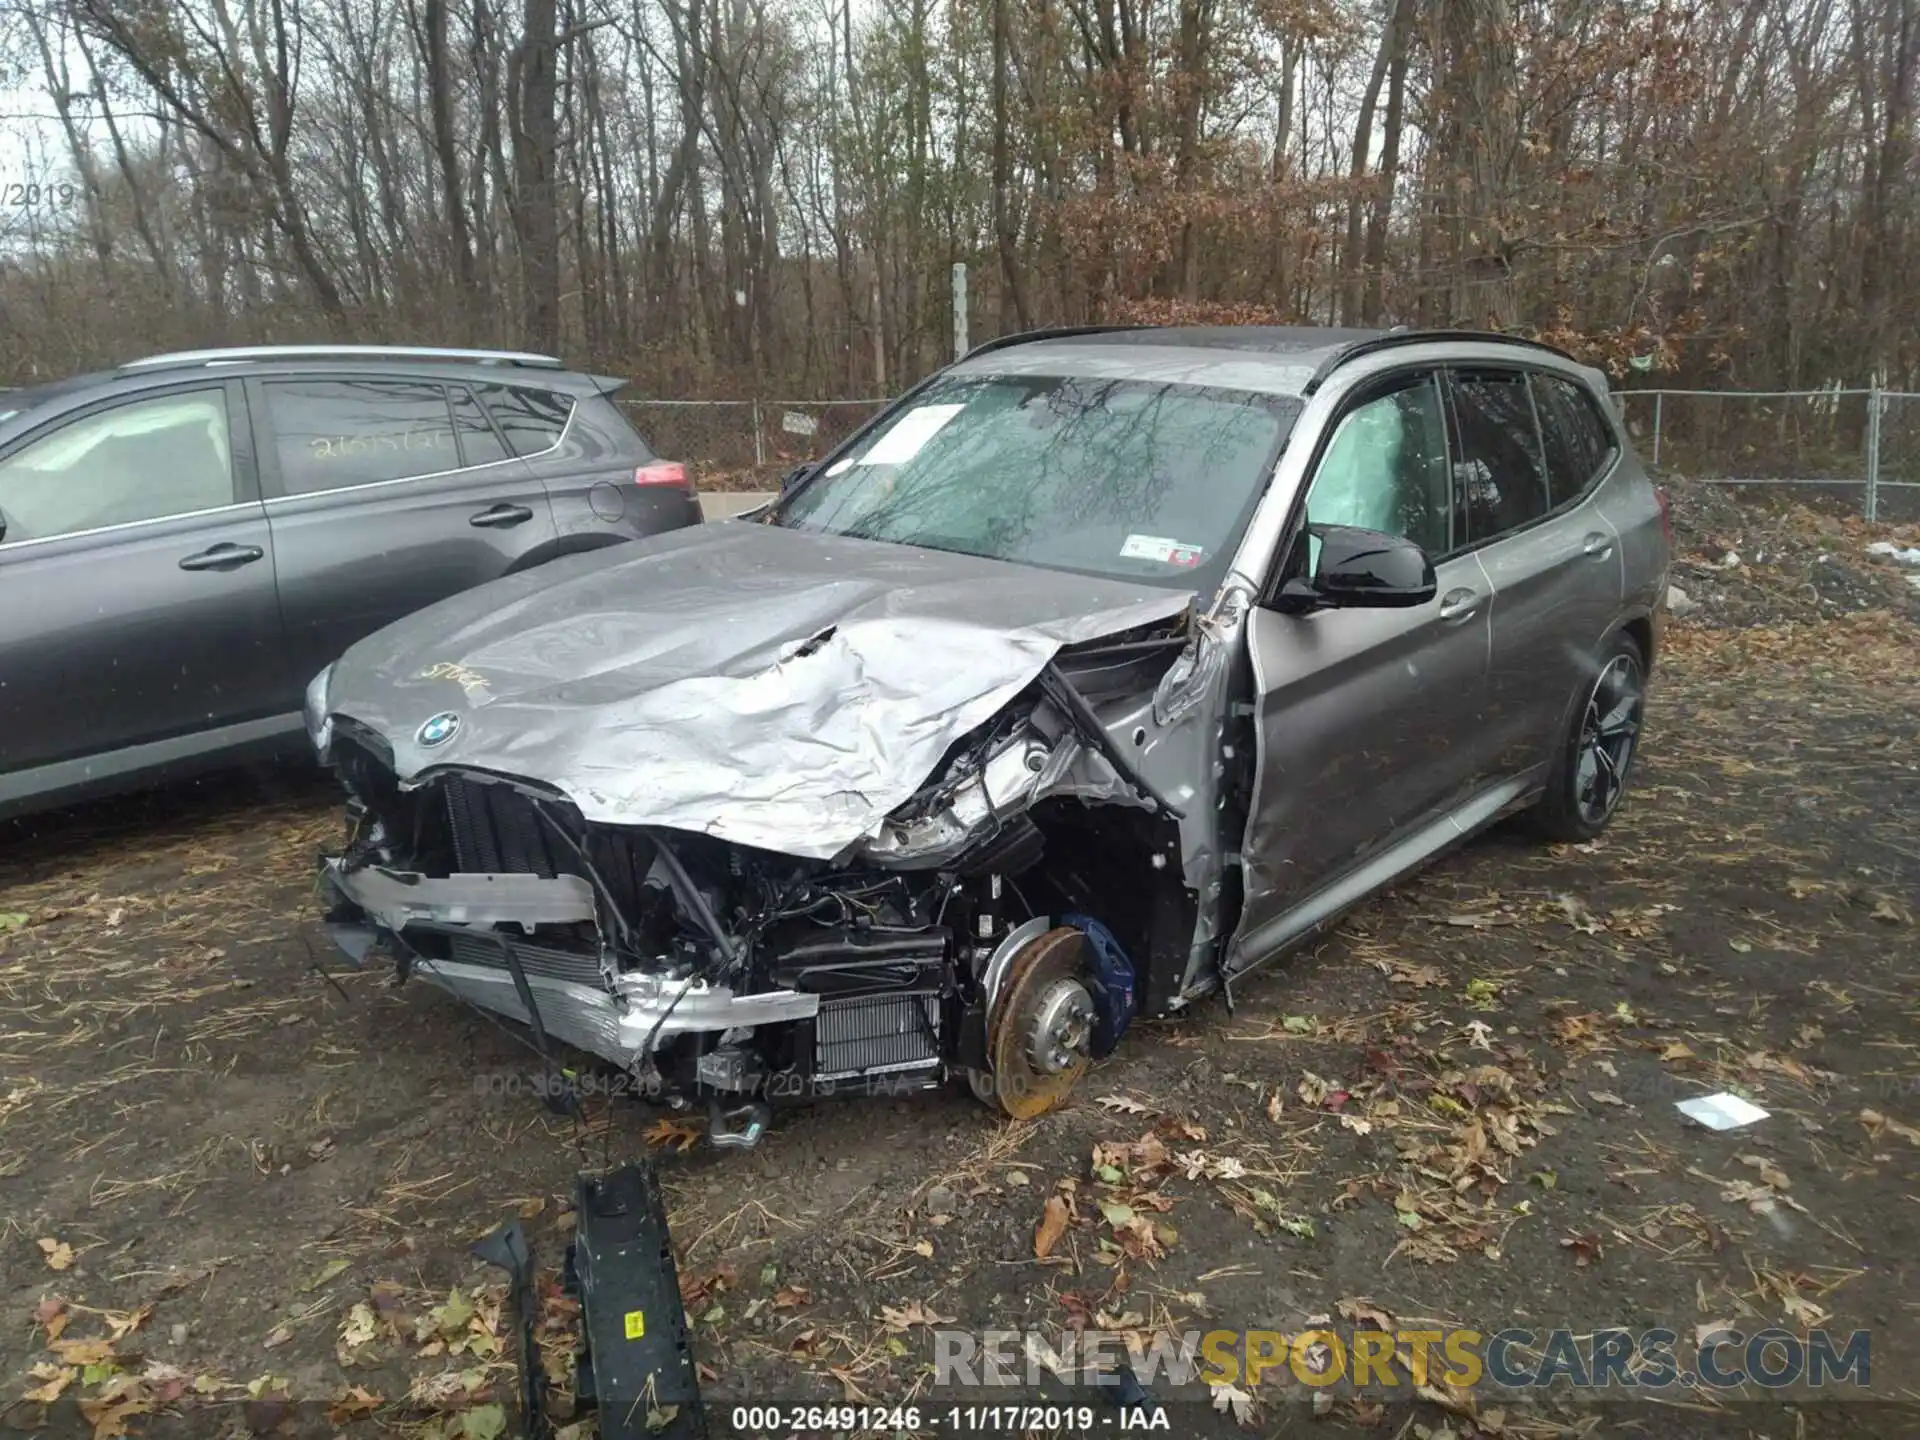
(1666, 515)
(662, 472)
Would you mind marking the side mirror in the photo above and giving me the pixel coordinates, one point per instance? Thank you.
(1361, 569)
(793, 479)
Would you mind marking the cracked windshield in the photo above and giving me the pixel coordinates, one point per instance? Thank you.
(1128, 479)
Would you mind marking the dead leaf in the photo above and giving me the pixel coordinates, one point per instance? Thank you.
(1876, 1122)
(1586, 1249)
(1053, 1224)
(327, 1272)
(913, 1313)
(1363, 1312)
(55, 1379)
(276, 1337)
(82, 1352)
(109, 1417)
(359, 1328)
(1606, 1097)
(356, 1403)
(1232, 1400)
(1123, 1104)
(1276, 1103)
(1677, 1050)
(51, 1315)
(122, 1323)
(678, 1134)
(59, 1254)
(789, 1297)
(1884, 908)
(1769, 1172)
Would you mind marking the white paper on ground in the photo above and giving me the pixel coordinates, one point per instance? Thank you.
(909, 433)
(1721, 1111)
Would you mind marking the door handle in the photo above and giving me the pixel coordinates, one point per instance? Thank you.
(501, 516)
(1598, 546)
(1458, 605)
(223, 556)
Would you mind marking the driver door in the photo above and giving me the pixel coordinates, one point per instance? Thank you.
(1367, 719)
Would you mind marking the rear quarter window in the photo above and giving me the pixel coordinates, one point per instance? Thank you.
(1577, 440)
(532, 420)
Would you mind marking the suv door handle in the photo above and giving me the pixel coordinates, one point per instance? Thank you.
(1459, 605)
(501, 516)
(223, 556)
(1597, 545)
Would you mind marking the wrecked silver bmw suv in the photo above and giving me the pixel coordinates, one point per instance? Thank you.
(1096, 671)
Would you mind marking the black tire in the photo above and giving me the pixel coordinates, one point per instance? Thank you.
(1594, 760)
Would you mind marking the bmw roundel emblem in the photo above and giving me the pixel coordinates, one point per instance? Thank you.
(438, 729)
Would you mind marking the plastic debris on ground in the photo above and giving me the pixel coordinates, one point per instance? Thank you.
(1721, 1111)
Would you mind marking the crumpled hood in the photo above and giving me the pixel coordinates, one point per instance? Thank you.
(771, 687)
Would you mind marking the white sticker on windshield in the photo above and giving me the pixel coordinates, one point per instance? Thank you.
(909, 434)
(1162, 550)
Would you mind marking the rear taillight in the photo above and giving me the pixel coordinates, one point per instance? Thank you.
(662, 472)
(1666, 515)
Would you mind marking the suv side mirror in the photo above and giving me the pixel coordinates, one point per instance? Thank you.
(793, 479)
(1361, 568)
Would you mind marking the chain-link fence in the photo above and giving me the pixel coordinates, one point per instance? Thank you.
(1861, 447)
(746, 444)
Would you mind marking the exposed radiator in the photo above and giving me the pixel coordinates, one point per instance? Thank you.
(876, 1034)
(496, 830)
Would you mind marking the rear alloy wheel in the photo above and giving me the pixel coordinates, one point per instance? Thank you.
(1590, 773)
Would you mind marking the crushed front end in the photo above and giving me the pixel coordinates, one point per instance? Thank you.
(1003, 925)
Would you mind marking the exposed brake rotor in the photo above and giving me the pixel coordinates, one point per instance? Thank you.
(1038, 1034)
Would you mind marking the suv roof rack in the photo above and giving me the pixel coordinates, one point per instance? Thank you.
(1404, 335)
(238, 353)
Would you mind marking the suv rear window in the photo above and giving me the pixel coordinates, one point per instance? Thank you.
(532, 420)
(335, 434)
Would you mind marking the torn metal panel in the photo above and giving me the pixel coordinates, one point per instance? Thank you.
(398, 898)
(765, 686)
(640, 1014)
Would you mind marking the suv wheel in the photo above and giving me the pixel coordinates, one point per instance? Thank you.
(1590, 771)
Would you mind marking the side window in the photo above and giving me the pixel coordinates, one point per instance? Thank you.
(335, 434)
(479, 445)
(1386, 469)
(532, 420)
(145, 460)
(1500, 474)
(1577, 441)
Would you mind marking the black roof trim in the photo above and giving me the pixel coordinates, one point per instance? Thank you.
(1393, 338)
(1051, 332)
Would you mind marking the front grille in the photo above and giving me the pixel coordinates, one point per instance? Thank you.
(876, 1034)
(496, 829)
(537, 960)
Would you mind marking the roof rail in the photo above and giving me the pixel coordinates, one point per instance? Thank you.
(1402, 335)
(240, 353)
(1053, 332)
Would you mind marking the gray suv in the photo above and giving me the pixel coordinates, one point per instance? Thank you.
(184, 541)
(1094, 673)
